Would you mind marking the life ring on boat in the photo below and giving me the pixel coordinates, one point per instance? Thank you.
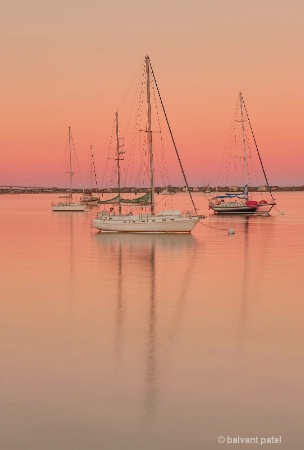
(111, 209)
(263, 202)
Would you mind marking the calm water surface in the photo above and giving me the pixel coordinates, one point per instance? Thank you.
(131, 342)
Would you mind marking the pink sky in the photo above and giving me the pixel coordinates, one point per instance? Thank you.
(69, 63)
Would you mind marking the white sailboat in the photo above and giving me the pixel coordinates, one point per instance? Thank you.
(167, 221)
(88, 198)
(207, 191)
(68, 204)
(243, 202)
(167, 191)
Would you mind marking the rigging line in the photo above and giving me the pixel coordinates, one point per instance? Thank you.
(105, 171)
(281, 212)
(136, 161)
(224, 170)
(256, 146)
(215, 228)
(254, 174)
(128, 90)
(251, 170)
(139, 83)
(164, 175)
(173, 141)
(94, 169)
(128, 170)
(76, 159)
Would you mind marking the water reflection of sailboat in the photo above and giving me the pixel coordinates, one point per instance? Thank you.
(243, 311)
(137, 240)
(144, 254)
(120, 303)
(151, 369)
(67, 283)
(252, 256)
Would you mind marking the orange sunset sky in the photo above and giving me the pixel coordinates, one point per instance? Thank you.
(69, 63)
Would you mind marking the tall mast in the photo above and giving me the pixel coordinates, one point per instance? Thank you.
(71, 173)
(244, 141)
(118, 153)
(149, 131)
(91, 169)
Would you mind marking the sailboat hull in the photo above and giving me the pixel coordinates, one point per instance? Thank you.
(90, 202)
(234, 209)
(68, 207)
(265, 208)
(146, 224)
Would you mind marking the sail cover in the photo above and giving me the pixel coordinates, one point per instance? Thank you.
(244, 194)
(144, 200)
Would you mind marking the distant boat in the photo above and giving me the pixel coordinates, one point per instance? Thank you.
(168, 221)
(241, 202)
(68, 204)
(207, 191)
(88, 198)
(167, 191)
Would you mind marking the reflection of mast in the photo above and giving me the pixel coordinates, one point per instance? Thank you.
(70, 163)
(71, 246)
(143, 250)
(243, 314)
(151, 344)
(120, 309)
(70, 275)
(152, 369)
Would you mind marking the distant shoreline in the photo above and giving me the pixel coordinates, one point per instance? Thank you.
(158, 190)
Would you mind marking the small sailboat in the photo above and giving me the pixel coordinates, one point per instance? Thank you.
(88, 198)
(243, 202)
(207, 191)
(68, 204)
(145, 219)
(167, 191)
(234, 203)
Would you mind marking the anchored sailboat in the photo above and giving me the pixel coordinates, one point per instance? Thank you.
(167, 221)
(241, 202)
(207, 191)
(68, 204)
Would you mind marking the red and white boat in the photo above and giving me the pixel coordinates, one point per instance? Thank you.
(233, 203)
(243, 202)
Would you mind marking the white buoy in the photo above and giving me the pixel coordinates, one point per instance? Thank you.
(231, 231)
